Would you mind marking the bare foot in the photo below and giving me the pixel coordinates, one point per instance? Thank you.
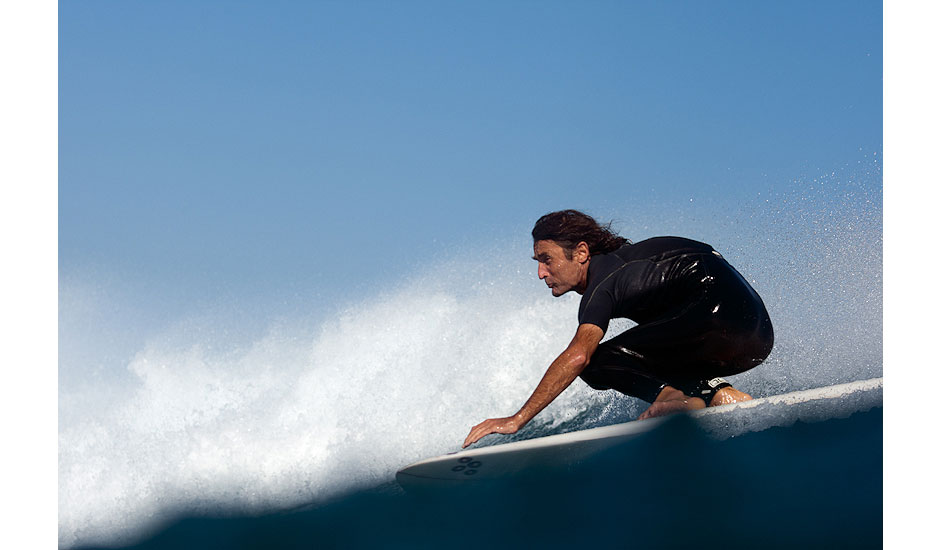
(672, 400)
(729, 395)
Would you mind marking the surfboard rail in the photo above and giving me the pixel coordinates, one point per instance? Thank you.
(722, 422)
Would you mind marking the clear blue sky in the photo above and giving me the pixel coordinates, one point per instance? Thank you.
(267, 143)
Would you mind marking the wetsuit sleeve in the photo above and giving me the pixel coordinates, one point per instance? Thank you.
(597, 309)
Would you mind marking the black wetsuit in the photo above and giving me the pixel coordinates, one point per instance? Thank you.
(697, 319)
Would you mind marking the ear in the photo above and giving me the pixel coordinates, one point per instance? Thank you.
(581, 252)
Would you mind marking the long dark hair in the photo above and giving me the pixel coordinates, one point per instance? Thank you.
(568, 228)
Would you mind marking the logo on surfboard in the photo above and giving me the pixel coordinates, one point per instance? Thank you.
(466, 465)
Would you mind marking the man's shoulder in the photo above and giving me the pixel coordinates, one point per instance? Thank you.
(630, 260)
(661, 246)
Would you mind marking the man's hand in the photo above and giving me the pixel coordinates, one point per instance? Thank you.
(507, 425)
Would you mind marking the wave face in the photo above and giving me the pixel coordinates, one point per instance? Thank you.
(219, 413)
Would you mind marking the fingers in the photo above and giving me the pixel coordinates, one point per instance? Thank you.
(472, 438)
(491, 426)
(479, 431)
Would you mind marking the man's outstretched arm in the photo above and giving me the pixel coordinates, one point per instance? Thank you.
(558, 377)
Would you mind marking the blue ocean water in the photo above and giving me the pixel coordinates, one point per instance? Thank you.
(808, 485)
(221, 411)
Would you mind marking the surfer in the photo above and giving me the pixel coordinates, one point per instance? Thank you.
(697, 319)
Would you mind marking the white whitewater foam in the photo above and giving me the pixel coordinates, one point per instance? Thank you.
(298, 417)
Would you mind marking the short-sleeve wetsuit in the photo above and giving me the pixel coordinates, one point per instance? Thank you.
(697, 319)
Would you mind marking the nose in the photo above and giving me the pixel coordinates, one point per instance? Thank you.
(542, 271)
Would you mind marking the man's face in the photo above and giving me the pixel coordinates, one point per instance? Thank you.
(562, 275)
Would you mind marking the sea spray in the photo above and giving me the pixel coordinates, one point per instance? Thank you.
(204, 418)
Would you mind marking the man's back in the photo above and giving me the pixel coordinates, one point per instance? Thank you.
(642, 280)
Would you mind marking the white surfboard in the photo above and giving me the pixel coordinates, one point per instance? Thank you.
(814, 405)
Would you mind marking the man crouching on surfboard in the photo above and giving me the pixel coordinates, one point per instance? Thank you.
(697, 319)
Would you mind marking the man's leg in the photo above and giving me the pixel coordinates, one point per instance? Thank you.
(671, 400)
(615, 367)
(671, 362)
